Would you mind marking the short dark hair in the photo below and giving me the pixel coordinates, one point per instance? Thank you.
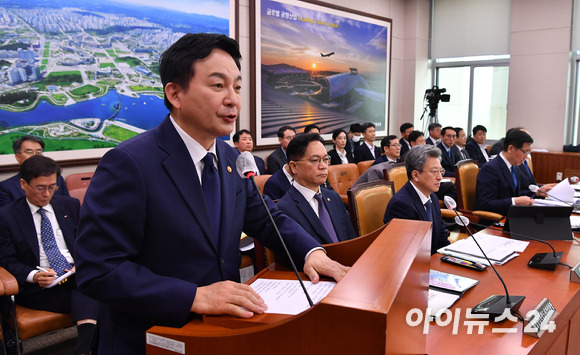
(297, 146)
(414, 135)
(311, 126)
(517, 138)
(355, 128)
(337, 132)
(433, 125)
(38, 165)
(417, 157)
(386, 142)
(17, 145)
(366, 126)
(513, 129)
(478, 128)
(444, 129)
(405, 126)
(283, 129)
(176, 64)
(236, 137)
(457, 130)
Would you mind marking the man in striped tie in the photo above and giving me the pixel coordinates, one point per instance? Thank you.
(37, 234)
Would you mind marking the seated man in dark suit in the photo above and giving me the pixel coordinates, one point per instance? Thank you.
(279, 183)
(449, 152)
(406, 129)
(500, 183)
(434, 133)
(367, 150)
(37, 241)
(391, 150)
(476, 147)
(318, 210)
(277, 159)
(460, 142)
(243, 141)
(416, 199)
(415, 138)
(25, 147)
(311, 128)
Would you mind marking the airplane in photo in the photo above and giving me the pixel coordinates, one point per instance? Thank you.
(326, 55)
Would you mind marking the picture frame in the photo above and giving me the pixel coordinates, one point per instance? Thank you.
(104, 75)
(317, 63)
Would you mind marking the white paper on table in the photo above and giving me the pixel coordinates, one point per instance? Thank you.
(440, 301)
(498, 249)
(287, 296)
(562, 192)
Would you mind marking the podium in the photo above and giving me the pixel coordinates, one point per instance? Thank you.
(364, 314)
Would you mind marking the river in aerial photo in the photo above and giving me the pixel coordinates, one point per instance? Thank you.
(144, 112)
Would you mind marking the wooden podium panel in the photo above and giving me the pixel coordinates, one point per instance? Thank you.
(364, 314)
(521, 280)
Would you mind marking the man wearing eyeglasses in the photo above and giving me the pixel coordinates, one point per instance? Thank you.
(24, 148)
(417, 200)
(318, 210)
(391, 150)
(37, 235)
(500, 183)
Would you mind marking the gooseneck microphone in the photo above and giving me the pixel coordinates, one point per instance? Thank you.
(546, 261)
(494, 305)
(535, 188)
(246, 167)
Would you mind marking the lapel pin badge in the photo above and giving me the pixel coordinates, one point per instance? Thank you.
(328, 199)
(229, 169)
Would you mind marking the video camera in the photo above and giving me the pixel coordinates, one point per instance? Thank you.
(435, 95)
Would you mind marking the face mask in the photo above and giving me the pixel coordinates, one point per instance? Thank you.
(356, 139)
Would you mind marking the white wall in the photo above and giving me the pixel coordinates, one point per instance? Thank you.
(539, 69)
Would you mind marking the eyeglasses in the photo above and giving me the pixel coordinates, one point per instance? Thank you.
(32, 152)
(315, 161)
(43, 188)
(526, 152)
(436, 172)
(397, 145)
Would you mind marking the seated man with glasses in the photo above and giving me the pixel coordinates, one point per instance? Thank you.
(318, 210)
(416, 199)
(391, 150)
(24, 147)
(500, 182)
(37, 241)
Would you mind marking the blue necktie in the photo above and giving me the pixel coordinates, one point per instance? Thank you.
(325, 218)
(528, 168)
(56, 260)
(210, 182)
(429, 211)
(514, 176)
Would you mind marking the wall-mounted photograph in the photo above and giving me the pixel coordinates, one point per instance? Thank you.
(84, 75)
(318, 64)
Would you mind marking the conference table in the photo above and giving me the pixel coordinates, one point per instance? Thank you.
(507, 337)
(369, 310)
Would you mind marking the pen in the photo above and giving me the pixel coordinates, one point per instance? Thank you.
(42, 269)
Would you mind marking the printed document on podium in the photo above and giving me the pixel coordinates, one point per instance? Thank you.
(287, 296)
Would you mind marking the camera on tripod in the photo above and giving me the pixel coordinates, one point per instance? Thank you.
(435, 95)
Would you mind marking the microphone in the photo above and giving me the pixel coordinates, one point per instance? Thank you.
(574, 179)
(574, 205)
(246, 167)
(546, 261)
(494, 305)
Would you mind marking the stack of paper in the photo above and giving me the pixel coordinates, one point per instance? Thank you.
(499, 250)
(560, 195)
(445, 289)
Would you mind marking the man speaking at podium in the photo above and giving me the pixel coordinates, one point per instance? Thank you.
(161, 221)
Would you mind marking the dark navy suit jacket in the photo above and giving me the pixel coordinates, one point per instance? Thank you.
(475, 152)
(406, 204)
(448, 163)
(335, 159)
(145, 244)
(276, 161)
(495, 187)
(295, 205)
(404, 146)
(362, 153)
(527, 180)
(277, 185)
(10, 189)
(260, 164)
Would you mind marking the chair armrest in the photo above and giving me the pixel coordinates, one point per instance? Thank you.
(9, 283)
(489, 216)
(445, 213)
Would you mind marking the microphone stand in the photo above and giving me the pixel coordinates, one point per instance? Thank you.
(250, 175)
(493, 305)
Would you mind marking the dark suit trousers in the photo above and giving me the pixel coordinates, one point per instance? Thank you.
(64, 298)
